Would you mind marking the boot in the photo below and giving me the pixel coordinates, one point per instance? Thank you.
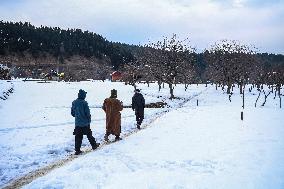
(138, 126)
(95, 146)
(78, 152)
(117, 138)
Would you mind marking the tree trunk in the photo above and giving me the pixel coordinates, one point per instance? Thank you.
(243, 97)
(257, 98)
(243, 92)
(171, 91)
(229, 88)
(185, 86)
(160, 85)
(280, 101)
(279, 94)
(265, 97)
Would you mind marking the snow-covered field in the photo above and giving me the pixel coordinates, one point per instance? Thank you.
(205, 146)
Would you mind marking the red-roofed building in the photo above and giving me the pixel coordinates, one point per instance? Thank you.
(116, 75)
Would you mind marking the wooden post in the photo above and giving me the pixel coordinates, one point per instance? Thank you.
(243, 93)
(197, 102)
(243, 99)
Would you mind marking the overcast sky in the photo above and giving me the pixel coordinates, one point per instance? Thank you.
(252, 22)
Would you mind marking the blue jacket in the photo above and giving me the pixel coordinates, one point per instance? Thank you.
(80, 110)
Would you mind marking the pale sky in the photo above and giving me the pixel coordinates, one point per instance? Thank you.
(204, 22)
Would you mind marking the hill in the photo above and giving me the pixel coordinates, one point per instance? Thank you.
(39, 49)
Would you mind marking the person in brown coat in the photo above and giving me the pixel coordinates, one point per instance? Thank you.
(112, 107)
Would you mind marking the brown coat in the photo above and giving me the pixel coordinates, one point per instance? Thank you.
(112, 108)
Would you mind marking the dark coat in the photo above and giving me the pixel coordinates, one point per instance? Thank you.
(112, 108)
(81, 111)
(138, 102)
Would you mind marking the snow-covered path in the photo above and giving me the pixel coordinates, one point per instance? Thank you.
(191, 147)
(36, 126)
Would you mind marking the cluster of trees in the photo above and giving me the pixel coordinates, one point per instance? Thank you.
(21, 37)
(230, 63)
(170, 61)
(227, 64)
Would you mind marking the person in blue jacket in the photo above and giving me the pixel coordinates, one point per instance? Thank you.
(81, 111)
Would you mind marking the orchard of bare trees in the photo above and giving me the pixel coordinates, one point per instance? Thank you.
(231, 63)
(228, 64)
(170, 62)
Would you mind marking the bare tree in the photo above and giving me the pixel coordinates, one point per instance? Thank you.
(170, 61)
(230, 62)
(132, 73)
(273, 77)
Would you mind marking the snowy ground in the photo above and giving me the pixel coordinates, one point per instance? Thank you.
(190, 147)
(36, 126)
(4, 86)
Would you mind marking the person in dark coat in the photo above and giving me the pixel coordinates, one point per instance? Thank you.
(138, 105)
(81, 111)
(112, 107)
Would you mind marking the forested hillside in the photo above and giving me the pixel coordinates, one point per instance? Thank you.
(23, 37)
